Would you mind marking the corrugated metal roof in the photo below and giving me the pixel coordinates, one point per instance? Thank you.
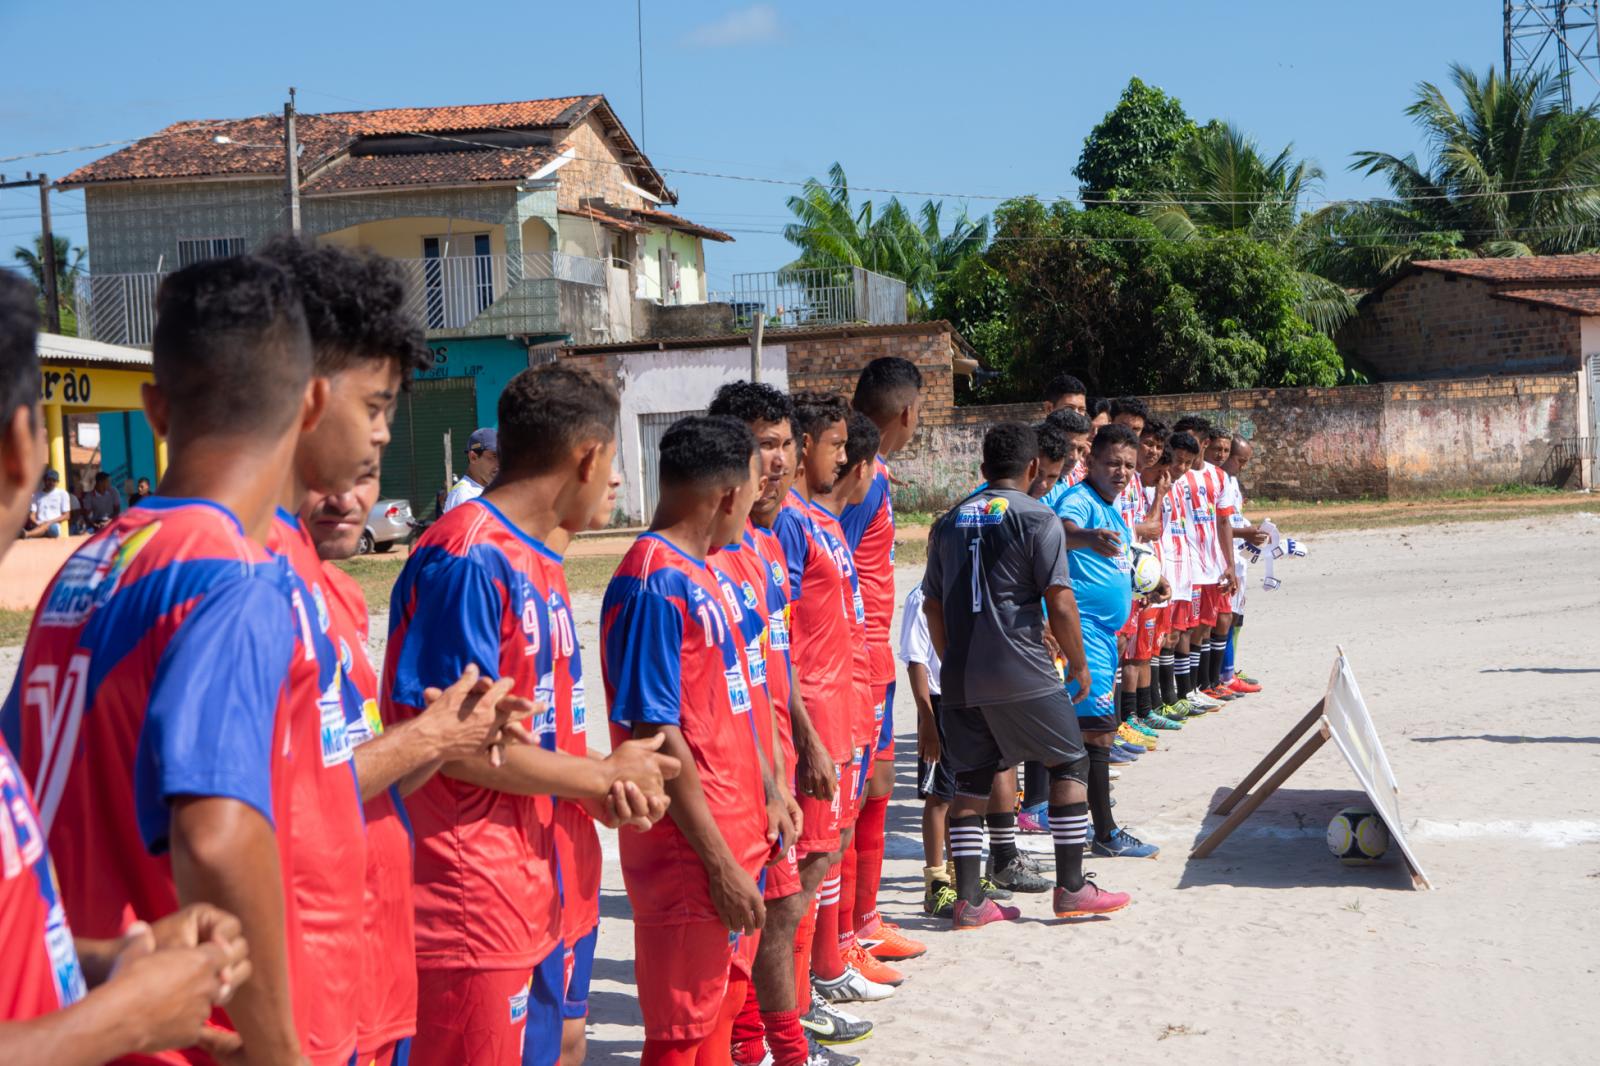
(53, 347)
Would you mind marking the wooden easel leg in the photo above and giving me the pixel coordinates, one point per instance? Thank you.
(1231, 799)
(1257, 798)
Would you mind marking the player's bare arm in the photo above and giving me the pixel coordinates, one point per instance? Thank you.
(927, 729)
(467, 719)
(1107, 542)
(226, 854)
(1061, 611)
(733, 892)
(814, 771)
(933, 610)
(534, 771)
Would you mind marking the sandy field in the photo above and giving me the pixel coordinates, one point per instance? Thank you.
(1476, 651)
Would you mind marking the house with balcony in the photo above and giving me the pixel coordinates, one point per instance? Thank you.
(520, 226)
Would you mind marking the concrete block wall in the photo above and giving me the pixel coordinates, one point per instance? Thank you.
(1475, 433)
(1434, 325)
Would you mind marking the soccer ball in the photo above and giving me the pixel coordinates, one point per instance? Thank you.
(1357, 837)
(1146, 571)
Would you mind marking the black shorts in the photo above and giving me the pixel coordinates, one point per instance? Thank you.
(935, 782)
(991, 738)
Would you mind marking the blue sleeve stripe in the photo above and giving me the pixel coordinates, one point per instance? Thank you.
(857, 518)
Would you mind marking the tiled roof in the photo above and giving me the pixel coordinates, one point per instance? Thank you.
(439, 168)
(1532, 268)
(662, 218)
(1578, 301)
(605, 218)
(190, 149)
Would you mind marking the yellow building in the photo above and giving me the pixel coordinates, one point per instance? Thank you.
(84, 377)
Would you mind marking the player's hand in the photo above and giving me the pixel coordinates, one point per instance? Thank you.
(1161, 593)
(1107, 542)
(1227, 584)
(928, 747)
(737, 899)
(169, 994)
(1078, 674)
(814, 771)
(202, 923)
(1258, 537)
(1163, 485)
(471, 716)
(639, 761)
(781, 832)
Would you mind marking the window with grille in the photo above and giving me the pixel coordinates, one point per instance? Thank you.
(197, 248)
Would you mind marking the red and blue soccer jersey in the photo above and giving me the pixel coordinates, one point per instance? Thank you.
(821, 630)
(670, 657)
(774, 591)
(171, 632)
(40, 972)
(866, 718)
(740, 573)
(577, 843)
(869, 533)
(389, 970)
(486, 891)
(326, 828)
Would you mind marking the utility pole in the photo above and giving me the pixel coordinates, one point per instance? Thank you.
(291, 165)
(755, 343)
(52, 299)
(47, 250)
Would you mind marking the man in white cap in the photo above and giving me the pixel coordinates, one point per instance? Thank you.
(483, 464)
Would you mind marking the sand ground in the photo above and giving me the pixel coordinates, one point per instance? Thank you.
(1476, 648)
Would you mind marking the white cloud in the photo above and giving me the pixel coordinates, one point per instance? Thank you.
(756, 24)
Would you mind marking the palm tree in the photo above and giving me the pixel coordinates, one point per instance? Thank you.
(1228, 186)
(69, 266)
(831, 232)
(1511, 173)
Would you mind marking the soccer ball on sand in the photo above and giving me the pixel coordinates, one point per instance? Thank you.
(1357, 837)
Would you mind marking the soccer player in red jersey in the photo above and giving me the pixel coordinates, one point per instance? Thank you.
(851, 486)
(675, 668)
(168, 976)
(171, 630)
(824, 641)
(490, 955)
(889, 392)
(803, 764)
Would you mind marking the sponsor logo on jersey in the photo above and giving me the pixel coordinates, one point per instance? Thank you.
(580, 707)
(335, 734)
(92, 574)
(750, 601)
(518, 1001)
(322, 607)
(990, 512)
(758, 662)
(738, 691)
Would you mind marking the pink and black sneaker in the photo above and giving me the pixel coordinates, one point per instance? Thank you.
(1089, 900)
(966, 916)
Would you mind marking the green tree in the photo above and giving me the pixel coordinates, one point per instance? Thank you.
(1131, 154)
(1510, 173)
(831, 231)
(69, 266)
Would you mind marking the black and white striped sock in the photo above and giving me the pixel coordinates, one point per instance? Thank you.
(1069, 828)
(966, 849)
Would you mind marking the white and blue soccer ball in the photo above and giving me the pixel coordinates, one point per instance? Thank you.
(1357, 837)
(1145, 569)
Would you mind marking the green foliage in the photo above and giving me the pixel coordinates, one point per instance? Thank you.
(1104, 295)
(1131, 153)
(69, 265)
(830, 231)
(1511, 173)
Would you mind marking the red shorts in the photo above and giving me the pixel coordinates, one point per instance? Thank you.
(483, 1016)
(1127, 629)
(1152, 627)
(783, 876)
(1180, 616)
(820, 833)
(681, 975)
(1211, 604)
(856, 793)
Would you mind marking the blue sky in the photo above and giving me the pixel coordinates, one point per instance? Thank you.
(975, 100)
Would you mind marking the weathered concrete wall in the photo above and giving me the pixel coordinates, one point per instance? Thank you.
(653, 321)
(1319, 444)
(1433, 325)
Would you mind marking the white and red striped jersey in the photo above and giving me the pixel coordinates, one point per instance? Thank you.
(1131, 504)
(1200, 495)
(1176, 554)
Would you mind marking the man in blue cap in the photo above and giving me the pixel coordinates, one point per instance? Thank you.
(483, 464)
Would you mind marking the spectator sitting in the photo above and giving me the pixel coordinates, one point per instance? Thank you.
(101, 504)
(52, 505)
(140, 493)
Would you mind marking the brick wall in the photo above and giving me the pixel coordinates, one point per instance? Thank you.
(586, 177)
(1433, 325)
(1379, 441)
